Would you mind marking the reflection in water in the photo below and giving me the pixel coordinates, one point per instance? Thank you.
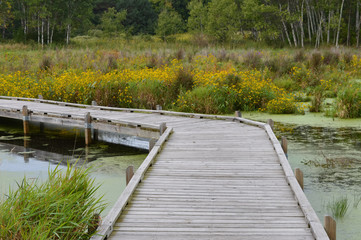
(46, 147)
(331, 161)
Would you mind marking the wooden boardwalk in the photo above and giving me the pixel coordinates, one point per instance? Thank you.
(204, 179)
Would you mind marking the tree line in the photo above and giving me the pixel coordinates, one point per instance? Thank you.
(296, 23)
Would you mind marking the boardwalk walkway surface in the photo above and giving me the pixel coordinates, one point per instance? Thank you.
(211, 179)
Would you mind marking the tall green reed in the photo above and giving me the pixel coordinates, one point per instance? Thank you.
(63, 207)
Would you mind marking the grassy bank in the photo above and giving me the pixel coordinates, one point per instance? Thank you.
(63, 207)
(185, 75)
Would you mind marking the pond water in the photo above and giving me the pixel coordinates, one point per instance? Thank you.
(328, 151)
(48, 147)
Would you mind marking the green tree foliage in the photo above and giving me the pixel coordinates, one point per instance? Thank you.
(6, 15)
(296, 23)
(223, 19)
(197, 16)
(111, 21)
(169, 22)
(141, 16)
(254, 13)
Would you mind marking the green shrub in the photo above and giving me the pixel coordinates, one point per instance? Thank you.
(349, 101)
(208, 99)
(282, 105)
(300, 56)
(61, 208)
(331, 57)
(317, 100)
(253, 59)
(150, 93)
(286, 83)
(316, 61)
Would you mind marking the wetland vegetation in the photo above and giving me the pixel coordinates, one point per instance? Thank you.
(299, 58)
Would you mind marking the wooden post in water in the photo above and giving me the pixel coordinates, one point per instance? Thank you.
(129, 174)
(271, 123)
(88, 130)
(26, 146)
(330, 227)
(152, 142)
(238, 114)
(26, 120)
(162, 128)
(284, 144)
(299, 177)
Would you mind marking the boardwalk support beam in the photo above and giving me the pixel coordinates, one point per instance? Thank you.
(330, 227)
(26, 120)
(87, 126)
(299, 177)
(129, 174)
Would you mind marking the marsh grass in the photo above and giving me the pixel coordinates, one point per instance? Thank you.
(327, 162)
(339, 207)
(356, 200)
(63, 207)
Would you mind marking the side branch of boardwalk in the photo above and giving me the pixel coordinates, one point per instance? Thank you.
(207, 177)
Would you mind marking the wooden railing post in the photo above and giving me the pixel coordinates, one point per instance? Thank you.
(284, 144)
(152, 142)
(129, 174)
(158, 107)
(87, 129)
(162, 128)
(94, 103)
(271, 123)
(330, 227)
(299, 177)
(26, 120)
(238, 114)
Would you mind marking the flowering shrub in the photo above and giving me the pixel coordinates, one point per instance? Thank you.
(204, 89)
(284, 104)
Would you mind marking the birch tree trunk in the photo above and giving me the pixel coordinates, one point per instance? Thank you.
(339, 24)
(68, 29)
(357, 24)
(301, 24)
(48, 31)
(42, 32)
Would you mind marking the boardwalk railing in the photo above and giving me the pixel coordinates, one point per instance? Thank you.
(109, 221)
